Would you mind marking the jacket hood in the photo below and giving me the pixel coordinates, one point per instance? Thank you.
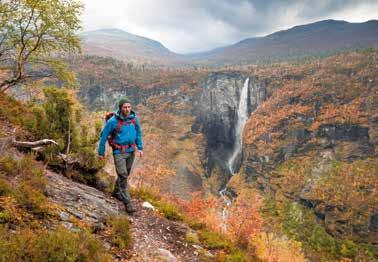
(119, 115)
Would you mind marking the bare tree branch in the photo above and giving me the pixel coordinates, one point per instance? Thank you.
(34, 144)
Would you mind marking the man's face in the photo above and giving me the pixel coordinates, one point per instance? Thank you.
(126, 109)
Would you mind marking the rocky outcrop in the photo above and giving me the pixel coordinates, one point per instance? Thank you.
(97, 97)
(216, 114)
(154, 238)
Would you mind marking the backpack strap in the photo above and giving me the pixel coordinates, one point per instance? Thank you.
(111, 141)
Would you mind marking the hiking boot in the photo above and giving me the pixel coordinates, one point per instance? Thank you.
(117, 195)
(129, 208)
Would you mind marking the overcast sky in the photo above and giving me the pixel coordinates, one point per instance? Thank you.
(186, 26)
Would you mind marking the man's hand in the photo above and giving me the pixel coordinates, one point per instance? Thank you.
(140, 153)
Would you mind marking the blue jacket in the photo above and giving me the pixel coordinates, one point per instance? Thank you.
(127, 135)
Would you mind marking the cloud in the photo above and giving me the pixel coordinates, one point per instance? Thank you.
(198, 25)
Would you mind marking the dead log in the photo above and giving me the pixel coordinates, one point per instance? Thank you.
(34, 144)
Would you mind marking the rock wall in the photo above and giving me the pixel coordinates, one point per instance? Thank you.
(216, 115)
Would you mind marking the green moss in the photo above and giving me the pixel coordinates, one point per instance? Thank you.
(213, 240)
(192, 237)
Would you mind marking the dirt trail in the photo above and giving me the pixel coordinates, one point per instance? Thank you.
(154, 238)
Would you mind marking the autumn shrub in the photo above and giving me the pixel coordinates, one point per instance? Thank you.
(169, 211)
(29, 188)
(300, 225)
(44, 245)
(11, 110)
(350, 185)
(269, 247)
(120, 231)
(5, 187)
(244, 219)
(9, 166)
(33, 199)
(192, 237)
(144, 193)
(239, 255)
(5, 217)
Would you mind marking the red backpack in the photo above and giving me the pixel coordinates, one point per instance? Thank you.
(111, 137)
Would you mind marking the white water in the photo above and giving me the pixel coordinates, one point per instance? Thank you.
(242, 119)
(226, 203)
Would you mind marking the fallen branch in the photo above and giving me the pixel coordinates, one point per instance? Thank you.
(28, 144)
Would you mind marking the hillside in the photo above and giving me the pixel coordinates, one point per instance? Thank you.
(309, 152)
(304, 183)
(314, 39)
(127, 47)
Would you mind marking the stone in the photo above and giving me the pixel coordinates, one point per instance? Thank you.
(148, 205)
(374, 223)
(209, 255)
(76, 213)
(67, 225)
(64, 216)
(165, 255)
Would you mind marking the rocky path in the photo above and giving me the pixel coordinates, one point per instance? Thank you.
(154, 238)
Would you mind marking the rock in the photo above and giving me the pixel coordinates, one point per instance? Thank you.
(98, 227)
(374, 223)
(209, 255)
(84, 202)
(64, 216)
(77, 214)
(148, 205)
(165, 255)
(67, 225)
(197, 246)
(343, 132)
(216, 114)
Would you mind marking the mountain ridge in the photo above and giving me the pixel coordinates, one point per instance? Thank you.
(296, 42)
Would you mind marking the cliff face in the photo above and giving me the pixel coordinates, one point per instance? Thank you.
(216, 115)
(314, 140)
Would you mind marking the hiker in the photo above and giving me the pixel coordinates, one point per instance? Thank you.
(124, 134)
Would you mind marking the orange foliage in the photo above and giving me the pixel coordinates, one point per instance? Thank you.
(244, 220)
(347, 113)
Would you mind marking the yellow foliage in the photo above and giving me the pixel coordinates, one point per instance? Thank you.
(271, 248)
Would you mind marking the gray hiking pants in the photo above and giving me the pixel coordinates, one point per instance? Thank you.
(123, 163)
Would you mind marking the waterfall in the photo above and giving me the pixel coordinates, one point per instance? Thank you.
(242, 119)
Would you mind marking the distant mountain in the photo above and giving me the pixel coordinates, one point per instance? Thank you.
(122, 45)
(300, 41)
(318, 38)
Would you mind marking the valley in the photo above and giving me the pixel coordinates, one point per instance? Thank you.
(262, 150)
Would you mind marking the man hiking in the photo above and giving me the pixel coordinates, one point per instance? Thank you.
(124, 134)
